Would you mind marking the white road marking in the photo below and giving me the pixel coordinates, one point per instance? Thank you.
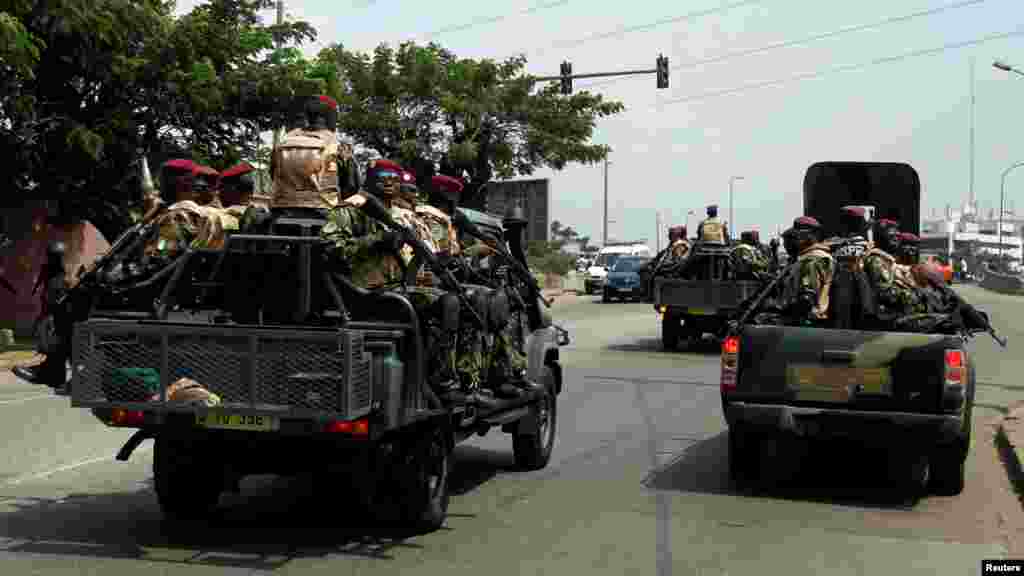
(28, 399)
(68, 467)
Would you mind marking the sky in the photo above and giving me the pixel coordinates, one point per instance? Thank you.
(678, 156)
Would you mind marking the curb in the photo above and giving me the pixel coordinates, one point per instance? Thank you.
(1011, 454)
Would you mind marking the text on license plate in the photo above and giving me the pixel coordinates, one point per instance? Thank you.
(837, 383)
(227, 421)
(699, 312)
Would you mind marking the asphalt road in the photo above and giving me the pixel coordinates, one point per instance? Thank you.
(637, 485)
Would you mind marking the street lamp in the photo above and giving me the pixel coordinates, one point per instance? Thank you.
(1002, 197)
(604, 239)
(1006, 67)
(688, 229)
(732, 223)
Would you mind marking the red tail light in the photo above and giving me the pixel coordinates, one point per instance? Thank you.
(731, 345)
(359, 427)
(954, 366)
(127, 418)
(730, 350)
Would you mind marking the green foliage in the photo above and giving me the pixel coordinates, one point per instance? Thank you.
(424, 106)
(548, 258)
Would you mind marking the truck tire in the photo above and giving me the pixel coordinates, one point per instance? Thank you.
(743, 455)
(533, 451)
(185, 479)
(605, 298)
(414, 496)
(948, 467)
(670, 330)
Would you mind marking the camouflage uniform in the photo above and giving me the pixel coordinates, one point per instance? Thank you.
(893, 283)
(748, 261)
(711, 230)
(810, 280)
(680, 249)
(189, 225)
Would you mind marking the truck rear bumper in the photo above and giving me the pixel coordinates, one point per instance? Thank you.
(839, 423)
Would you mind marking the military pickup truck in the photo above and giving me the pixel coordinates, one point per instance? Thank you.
(910, 393)
(702, 300)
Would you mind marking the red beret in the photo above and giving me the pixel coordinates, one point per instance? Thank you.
(381, 165)
(200, 170)
(857, 211)
(447, 184)
(329, 101)
(806, 222)
(237, 170)
(886, 222)
(180, 164)
(908, 237)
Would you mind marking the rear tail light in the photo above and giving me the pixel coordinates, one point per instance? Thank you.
(127, 418)
(359, 428)
(730, 354)
(954, 367)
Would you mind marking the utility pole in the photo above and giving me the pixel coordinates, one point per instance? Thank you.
(280, 20)
(604, 236)
(657, 231)
(973, 198)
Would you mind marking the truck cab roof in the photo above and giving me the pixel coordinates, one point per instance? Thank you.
(892, 188)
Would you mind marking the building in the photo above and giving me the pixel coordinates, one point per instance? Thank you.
(532, 196)
(970, 229)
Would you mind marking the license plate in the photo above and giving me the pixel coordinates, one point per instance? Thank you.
(837, 383)
(699, 312)
(246, 422)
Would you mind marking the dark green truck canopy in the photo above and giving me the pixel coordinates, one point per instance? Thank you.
(894, 189)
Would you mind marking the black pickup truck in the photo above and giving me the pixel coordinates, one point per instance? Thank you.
(912, 393)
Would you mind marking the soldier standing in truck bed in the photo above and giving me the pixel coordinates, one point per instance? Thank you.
(711, 230)
(805, 291)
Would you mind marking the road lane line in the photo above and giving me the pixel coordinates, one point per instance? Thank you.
(69, 467)
(27, 399)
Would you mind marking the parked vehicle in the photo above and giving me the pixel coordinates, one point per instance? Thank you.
(606, 257)
(623, 280)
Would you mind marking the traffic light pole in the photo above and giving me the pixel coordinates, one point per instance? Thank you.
(596, 75)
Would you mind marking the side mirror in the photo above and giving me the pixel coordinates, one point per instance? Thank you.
(563, 336)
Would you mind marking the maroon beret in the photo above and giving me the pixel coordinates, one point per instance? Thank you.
(200, 170)
(857, 211)
(183, 164)
(447, 185)
(386, 165)
(330, 102)
(237, 170)
(887, 222)
(806, 222)
(909, 237)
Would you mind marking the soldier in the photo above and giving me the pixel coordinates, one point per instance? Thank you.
(747, 261)
(52, 280)
(304, 166)
(437, 214)
(852, 244)
(910, 253)
(711, 230)
(895, 289)
(237, 185)
(805, 292)
(204, 186)
(680, 247)
(791, 245)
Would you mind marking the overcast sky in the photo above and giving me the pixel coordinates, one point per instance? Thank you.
(679, 156)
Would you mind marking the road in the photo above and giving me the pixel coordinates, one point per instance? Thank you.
(637, 485)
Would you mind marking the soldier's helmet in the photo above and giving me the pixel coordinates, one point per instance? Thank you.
(447, 188)
(322, 113)
(382, 177)
(712, 210)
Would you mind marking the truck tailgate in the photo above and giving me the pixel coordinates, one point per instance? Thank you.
(848, 368)
(710, 294)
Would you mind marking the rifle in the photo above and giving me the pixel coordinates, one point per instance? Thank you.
(969, 315)
(125, 243)
(463, 223)
(753, 303)
(377, 211)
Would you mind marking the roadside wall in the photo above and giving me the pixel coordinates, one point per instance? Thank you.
(1003, 283)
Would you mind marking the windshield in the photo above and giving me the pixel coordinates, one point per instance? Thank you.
(607, 260)
(628, 264)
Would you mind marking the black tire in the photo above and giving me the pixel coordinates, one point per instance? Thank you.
(418, 493)
(670, 331)
(605, 297)
(533, 450)
(185, 478)
(743, 455)
(948, 468)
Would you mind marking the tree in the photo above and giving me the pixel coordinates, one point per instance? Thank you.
(556, 228)
(462, 117)
(86, 84)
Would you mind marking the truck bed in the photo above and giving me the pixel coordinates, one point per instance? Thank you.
(310, 374)
(702, 294)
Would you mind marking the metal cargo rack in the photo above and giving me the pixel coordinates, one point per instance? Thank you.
(293, 373)
(702, 293)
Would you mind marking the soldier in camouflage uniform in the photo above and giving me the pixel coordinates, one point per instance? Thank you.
(894, 286)
(680, 246)
(805, 292)
(910, 249)
(712, 230)
(748, 262)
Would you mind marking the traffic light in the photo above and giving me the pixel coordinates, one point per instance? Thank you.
(662, 66)
(566, 78)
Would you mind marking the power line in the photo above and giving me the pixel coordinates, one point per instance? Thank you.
(809, 39)
(494, 19)
(622, 30)
(848, 68)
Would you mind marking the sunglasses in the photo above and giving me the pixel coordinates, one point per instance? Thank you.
(387, 174)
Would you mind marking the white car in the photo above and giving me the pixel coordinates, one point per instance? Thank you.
(593, 282)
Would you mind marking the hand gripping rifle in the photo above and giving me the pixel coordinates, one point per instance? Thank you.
(377, 211)
(971, 317)
(466, 225)
(753, 303)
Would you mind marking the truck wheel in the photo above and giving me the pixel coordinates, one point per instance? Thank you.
(533, 451)
(185, 478)
(948, 466)
(670, 331)
(605, 297)
(422, 495)
(743, 455)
